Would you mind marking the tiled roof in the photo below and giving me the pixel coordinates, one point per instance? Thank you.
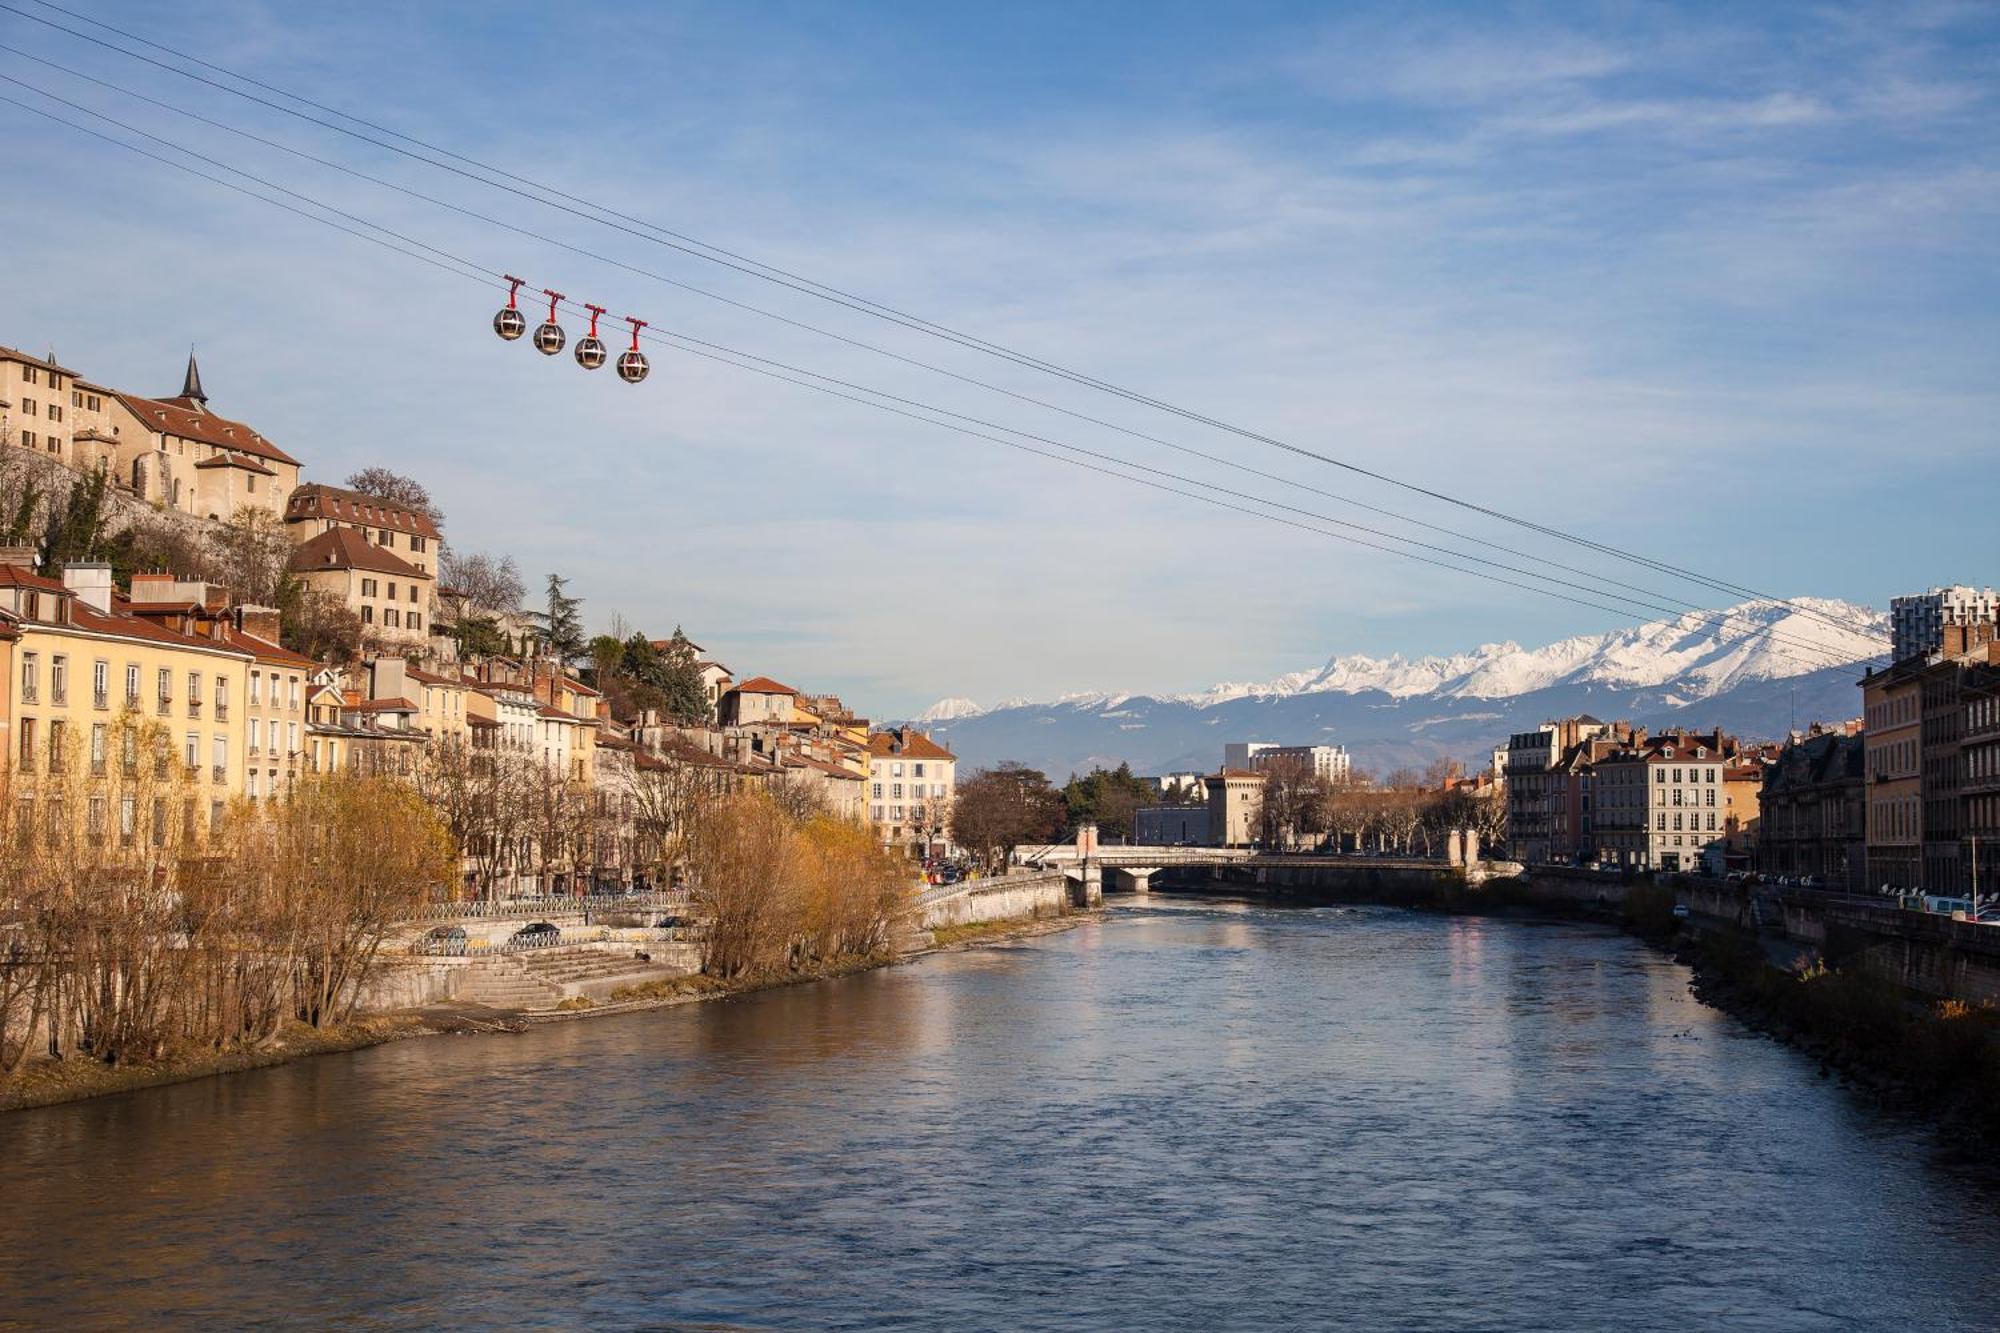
(906, 745)
(384, 706)
(344, 548)
(16, 354)
(316, 500)
(764, 685)
(185, 418)
(236, 461)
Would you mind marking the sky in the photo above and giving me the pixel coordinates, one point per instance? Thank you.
(1712, 283)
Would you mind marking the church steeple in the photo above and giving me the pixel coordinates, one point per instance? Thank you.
(191, 386)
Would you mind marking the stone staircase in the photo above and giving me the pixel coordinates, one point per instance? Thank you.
(504, 984)
(544, 979)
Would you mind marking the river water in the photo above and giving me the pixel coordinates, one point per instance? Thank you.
(1189, 1115)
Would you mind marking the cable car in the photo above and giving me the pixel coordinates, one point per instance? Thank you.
(632, 365)
(511, 323)
(549, 336)
(590, 353)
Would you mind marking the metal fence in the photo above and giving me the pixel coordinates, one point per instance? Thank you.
(501, 908)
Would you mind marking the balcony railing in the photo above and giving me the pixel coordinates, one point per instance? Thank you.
(166, 705)
(219, 773)
(222, 710)
(100, 699)
(194, 708)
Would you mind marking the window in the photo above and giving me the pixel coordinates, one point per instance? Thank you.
(291, 737)
(386, 538)
(413, 592)
(392, 590)
(31, 673)
(58, 734)
(367, 614)
(416, 542)
(100, 683)
(97, 748)
(194, 689)
(294, 681)
(916, 770)
(27, 744)
(219, 752)
(256, 690)
(222, 698)
(131, 684)
(895, 770)
(250, 788)
(193, 750)
(392, 618)
(28, 406)
(256, 735)
(31, 374)
(877, 793)
(59, 679)
(128, 817)
(416, 621)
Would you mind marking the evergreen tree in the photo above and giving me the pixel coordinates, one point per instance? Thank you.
(562, 623)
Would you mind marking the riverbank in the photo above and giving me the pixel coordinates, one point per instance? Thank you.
(53, 1082)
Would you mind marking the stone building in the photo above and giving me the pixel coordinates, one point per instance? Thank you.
(1812, 810)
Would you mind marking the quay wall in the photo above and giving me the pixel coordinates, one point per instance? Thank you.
(1007, 898)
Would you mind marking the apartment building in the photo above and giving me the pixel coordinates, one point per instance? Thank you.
(1917, 623)
(1330, 762)
(912, 781)
(390, 595)
(1812, 810)
(91, 679)
(315, 509)
(1660, 802)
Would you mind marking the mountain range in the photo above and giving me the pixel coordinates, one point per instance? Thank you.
(1753, 669)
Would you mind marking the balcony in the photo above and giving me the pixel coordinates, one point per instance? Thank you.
(219, 773)
(166, 705)
(194, 708)
(100, 700)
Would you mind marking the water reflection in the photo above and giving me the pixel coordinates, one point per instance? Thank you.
(1194, 1115)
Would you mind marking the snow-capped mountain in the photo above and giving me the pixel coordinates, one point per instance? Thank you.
(1748, 667)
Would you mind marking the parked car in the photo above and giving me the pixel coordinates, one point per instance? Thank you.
(1681, 911)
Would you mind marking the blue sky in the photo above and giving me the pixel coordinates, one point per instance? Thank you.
(1713, 282)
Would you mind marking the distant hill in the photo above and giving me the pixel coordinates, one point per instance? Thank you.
(1745, 669)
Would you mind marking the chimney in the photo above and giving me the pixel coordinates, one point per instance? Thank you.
(386, 679)
(19, 557)
(91, 582)
(259, 622)
(152, 588)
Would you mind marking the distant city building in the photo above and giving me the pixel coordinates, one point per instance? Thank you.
(1812, 810)
(1917, 623)
(1660, 802)
(1541, 825)
(1233, 795)
(1327, 761)
(1171, 826)
(1184, 786)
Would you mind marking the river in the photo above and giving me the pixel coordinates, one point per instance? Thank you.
(1188, 1115)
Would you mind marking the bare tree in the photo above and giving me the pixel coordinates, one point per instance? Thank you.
(397, 489)
(480, 582)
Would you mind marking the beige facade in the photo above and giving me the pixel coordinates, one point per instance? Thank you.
(912, 782)
(35, 409)
(1233, 798)
(315, 509)
(391, 596)
(88, 673)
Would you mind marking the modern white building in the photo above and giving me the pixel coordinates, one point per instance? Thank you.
(1327, 761)
(1917, 622)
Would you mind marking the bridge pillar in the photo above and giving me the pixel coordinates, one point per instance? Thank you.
(1129, 881)
(1088, 890)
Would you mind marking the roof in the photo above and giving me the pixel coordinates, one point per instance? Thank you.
(16, 576)
(187, 418)
(235, 460)
(384, 706)
(344, 548)
(46, 362)
(316, 500)
(763, 685)
(264, 650)
(432, 678)
(908, 744)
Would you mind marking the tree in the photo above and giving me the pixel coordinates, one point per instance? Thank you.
(1109, 798)
(76, 530)
(606, 653)
(562, 622)
(249, 554)
(397, 489)
(321, 626)
(478, 636)
(478, 582)
(1001, 808)
(1295, 803)
(673, 675)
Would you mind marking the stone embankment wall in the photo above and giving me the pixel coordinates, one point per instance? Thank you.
(1007, 898)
